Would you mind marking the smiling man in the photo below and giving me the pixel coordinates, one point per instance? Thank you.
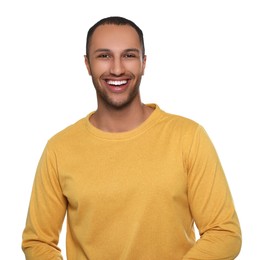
(131, 178)
(116, 61)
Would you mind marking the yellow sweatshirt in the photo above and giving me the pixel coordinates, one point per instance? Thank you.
(133, 195)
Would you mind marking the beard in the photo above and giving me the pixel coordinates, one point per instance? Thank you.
(112, 102)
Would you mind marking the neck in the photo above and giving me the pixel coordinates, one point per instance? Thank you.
(120, 120)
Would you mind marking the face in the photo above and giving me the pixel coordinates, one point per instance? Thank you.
(116, 64)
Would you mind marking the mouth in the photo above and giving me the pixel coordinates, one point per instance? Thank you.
(117, 83)
(117, 86)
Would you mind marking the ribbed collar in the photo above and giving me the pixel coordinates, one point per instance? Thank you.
(150, 121)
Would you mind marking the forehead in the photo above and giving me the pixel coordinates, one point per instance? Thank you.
(114, 37)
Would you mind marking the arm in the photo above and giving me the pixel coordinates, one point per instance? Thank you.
(46, 212)
(211, 204)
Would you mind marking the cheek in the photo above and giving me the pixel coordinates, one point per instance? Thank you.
(99, 68)
(135, 68)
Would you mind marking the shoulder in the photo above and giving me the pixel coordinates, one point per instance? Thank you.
(179, 127)
(178, 122)
(68, 135)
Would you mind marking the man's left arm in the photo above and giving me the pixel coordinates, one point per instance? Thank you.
(211, 204)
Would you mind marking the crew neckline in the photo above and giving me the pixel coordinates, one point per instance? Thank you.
(127, 134)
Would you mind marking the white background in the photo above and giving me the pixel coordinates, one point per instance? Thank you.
(203, 63)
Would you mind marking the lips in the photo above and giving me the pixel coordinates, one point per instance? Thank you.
(117, 86)
(116, 82)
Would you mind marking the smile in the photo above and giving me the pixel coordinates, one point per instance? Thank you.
(117, 82)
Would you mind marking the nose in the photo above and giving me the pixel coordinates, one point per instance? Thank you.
(117, 67)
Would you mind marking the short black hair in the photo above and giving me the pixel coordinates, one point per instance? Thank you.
(116, 20)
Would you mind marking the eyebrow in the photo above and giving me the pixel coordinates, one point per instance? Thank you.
(126, 50)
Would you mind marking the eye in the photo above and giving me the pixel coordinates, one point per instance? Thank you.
(104, 56)
(130, 55)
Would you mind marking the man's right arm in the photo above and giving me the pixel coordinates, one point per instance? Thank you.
(46, 212)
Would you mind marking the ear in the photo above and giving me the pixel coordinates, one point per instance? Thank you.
(87, 64)
(144, 64)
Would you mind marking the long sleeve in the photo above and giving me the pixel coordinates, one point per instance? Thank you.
(46, 212)
(211, 204)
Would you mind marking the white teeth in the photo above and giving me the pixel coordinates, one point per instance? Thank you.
(117, 82)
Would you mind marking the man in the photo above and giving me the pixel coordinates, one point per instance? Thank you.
(132, 178)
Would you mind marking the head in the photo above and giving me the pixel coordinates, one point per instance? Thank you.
(115, 20)
(115, 59)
